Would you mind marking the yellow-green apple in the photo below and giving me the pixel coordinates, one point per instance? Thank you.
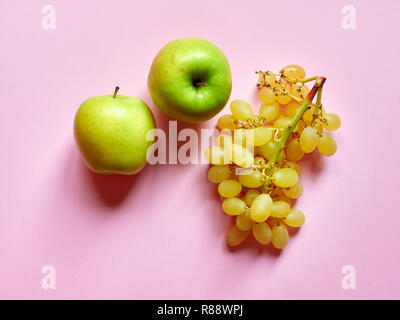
(190, 80)
(111, 131)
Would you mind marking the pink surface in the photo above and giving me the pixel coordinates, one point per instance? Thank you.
(160, 234)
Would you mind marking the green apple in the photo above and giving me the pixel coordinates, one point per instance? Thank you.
(111, 131)
(190, 80)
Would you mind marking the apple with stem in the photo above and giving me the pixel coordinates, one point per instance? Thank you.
(111, 133)
(190, 80)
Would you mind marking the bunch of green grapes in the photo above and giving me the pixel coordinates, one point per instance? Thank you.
(254, 161)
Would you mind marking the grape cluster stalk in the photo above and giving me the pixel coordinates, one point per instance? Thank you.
(255, 159)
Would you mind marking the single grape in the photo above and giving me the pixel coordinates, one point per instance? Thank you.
(270, 78)
(295, 71)
(250, 196)
(267, 96)
(333, 122)
(280, 236)
(308, 139)
(235, 236)
(269, 111)
(268, 149)
(262, 135)
(298, 90)
(243, 221)
(280, 209)
(295, 219)
(217, 156)
(261, 208)
(327, 145)
(292, 109)
(283, 123)
(283, 98)
(251, 178)
(227, 121)
(283, 89)
(285, 177)
(293, 151)
(266, 78)
(294, 192)
(262, 233)
(294, 165)
(242, 156)
(233, 206)
(229, 188)
(241, 110)
(217, 174)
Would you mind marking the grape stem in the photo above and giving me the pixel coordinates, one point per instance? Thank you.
(294, 80)
(319, 82)
(250, 123)
(284, 92)
(318, 105)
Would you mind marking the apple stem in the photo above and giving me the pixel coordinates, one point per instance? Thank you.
(200, 84)
(115, 92)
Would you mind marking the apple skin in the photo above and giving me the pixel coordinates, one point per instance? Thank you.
(111, 133)
(178, 67)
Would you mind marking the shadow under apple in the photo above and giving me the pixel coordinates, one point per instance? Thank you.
(112, 189)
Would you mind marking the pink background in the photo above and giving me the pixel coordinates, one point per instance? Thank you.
(160, 234)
